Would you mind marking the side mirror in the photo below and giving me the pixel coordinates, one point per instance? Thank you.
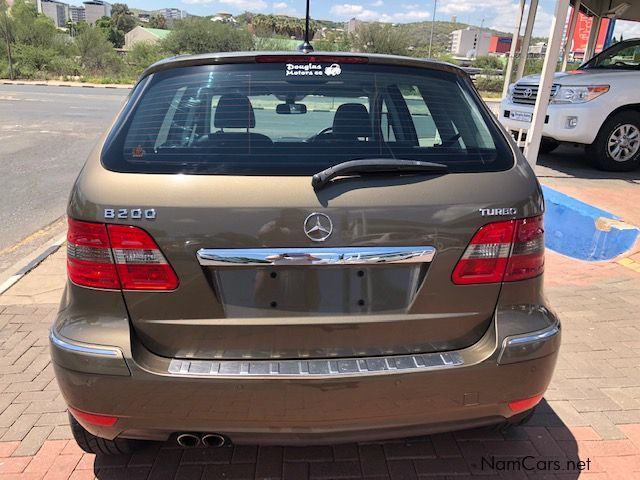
(291, 109)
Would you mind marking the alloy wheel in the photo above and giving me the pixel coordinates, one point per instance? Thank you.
(624, 142)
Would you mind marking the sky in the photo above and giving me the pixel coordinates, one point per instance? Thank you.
(496, 14)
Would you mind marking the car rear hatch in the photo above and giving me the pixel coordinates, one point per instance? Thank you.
(267, 266)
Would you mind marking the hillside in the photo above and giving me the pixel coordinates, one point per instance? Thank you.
(419, 34)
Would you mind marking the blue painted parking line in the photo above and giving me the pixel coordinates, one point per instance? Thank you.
(579, 230)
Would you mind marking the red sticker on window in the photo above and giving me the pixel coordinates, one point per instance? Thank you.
(137, 152)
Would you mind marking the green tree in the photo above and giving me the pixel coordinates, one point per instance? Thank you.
(201, 35)
(113, 34)
(280, 25)
(158, 21)
(143, 54)
(123, 18)
(488, 63)
(380, 38)
(96, 52)
(333, 42)
(30, 27)
(7, 32)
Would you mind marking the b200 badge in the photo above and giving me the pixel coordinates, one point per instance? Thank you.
(130, 213)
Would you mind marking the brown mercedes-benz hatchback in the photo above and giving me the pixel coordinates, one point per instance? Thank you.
(302, 248)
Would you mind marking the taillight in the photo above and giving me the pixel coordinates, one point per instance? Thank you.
(527, 254)
(89, 258)
(140, 263)
(116, 257)
(310, 59)
(525, 403)
(94, 418)
(503, 251)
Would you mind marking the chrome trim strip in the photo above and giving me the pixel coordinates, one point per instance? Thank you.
(529, 338)
(76, 348)
(235, 257)
(532, 338)
(335, 367)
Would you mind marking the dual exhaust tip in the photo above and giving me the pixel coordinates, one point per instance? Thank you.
(190, 440)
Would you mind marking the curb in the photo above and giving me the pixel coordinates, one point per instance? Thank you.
(67, 84)
(47, 250)
(585, 232)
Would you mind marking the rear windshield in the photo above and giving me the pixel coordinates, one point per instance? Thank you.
(300, 118)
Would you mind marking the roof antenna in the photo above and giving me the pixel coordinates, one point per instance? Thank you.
(306, 46)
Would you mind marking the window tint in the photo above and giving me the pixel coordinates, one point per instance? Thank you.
(260, 119)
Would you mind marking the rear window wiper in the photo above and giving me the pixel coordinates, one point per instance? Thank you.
(374, 165)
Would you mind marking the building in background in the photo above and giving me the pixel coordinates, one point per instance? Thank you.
(500, 44)
(352, 25)
(538, 50)
(76, 14)
(144, 35)
(581, 36)
(173, 13)
(95, 10)
(223, 17)
(470, 42)
(55, 10)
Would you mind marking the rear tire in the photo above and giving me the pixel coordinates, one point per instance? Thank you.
(92, 444)
(617, 146)
(548, 145)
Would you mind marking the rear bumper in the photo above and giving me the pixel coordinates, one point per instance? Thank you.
(468, 388)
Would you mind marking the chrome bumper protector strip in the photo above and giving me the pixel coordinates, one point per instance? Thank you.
(77, 348)
(529, 339)
(309, 368)
(234, 257)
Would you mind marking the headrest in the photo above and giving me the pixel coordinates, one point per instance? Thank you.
(351, 121)
(234, 111)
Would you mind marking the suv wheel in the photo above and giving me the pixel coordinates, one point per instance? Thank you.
(92, 444)
(548, 145)
(617, 146)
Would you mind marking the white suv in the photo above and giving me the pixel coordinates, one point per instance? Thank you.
(597, 105)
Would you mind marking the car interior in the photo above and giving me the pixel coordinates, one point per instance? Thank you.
(305, 127)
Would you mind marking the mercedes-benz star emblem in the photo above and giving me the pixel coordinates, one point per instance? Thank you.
(528, 92)
(318, 227)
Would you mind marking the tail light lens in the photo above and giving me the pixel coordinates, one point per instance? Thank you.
(525, 403)
(116, 257)
(93, 418)
(527, 254)
(310, 59)
(89, 258)
(503, 251)
(140, 263)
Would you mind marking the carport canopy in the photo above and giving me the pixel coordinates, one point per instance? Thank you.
(598, 9)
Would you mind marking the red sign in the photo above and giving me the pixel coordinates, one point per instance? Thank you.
(581, 34)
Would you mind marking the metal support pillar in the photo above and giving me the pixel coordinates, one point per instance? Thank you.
(526, 41)
(572, 28)
(593, 38)
(514, 48)
(534, 135)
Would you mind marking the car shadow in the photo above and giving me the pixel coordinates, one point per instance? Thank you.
(572, 161)
(543, 448)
